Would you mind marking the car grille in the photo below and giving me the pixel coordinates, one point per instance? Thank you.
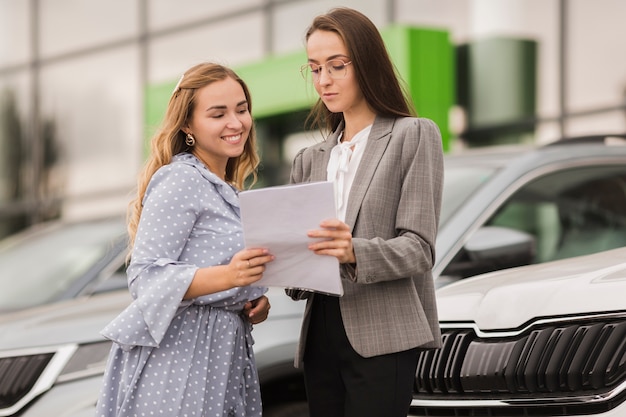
(557, 367)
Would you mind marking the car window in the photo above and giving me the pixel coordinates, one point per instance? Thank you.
(569, 213)
(460, 182)
(40, 267)
(561, 214)
(116, 281)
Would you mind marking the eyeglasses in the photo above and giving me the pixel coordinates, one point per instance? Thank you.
(336, 69)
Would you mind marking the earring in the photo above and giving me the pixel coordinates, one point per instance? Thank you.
(190, 140)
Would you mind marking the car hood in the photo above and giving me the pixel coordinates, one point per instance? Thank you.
(74, 321)
(80, 320)
(510, 298)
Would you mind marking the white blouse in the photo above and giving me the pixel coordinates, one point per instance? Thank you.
(344, 161)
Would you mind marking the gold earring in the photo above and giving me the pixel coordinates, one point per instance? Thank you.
(190, 140)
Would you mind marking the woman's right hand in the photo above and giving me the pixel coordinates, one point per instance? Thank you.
(333, 238)
(248, 265)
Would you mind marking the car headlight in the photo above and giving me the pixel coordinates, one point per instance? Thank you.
(27, 373)
(89, 359)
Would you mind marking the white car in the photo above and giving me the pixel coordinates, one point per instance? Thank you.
(539, 340)
(501, 208)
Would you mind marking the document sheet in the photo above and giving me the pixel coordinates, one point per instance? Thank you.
(278, 218)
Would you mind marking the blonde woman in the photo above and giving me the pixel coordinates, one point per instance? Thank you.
(184, 347)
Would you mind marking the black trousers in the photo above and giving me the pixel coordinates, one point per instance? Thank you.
(342, 383)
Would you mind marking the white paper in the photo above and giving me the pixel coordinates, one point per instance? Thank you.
(278, 218)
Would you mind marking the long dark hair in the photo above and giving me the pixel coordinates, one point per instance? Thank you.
(375, 73)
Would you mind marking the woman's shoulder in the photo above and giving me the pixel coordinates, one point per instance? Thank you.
(313, 148)
(175, 171)
(179, 171)
(411, 133)
(188, 165)
(417, 122)
(419, 127)
(400, 124)
(185, 175)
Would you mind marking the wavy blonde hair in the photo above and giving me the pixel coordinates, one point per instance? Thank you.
(169, 140)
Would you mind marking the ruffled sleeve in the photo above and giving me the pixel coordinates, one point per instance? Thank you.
(146, 320)
(181, 197)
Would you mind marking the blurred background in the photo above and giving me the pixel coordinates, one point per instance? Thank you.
(83, 84)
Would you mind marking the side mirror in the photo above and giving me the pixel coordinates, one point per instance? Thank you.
(501, 246)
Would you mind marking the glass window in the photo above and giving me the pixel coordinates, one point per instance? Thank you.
(94, 104)
(64, 255)
(290, 23)
(596, 65)
(292, 19)
(68, 25)
(230, 42)
(18, 85)
(601, 123)
(436, 14)
(461, 182)
(570, 213)
(167, 13)
(15, 149)
(15, 32)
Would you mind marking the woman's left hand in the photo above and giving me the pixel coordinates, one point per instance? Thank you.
(335, 239)
(256, 311)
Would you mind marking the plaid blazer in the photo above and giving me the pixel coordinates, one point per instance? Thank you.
(393, 209)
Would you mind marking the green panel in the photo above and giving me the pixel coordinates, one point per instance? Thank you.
(430, 56)
(425, 60)
(276, 85)
(156, 99)
(423, 57)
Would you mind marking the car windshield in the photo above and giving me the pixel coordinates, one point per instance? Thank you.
(47, 264)
(460, 182)
(40, 267)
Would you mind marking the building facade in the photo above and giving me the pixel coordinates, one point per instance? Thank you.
(83, 83)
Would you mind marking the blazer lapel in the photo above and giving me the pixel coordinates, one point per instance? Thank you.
(374, 150)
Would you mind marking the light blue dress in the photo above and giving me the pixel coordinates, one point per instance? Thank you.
(175, 357)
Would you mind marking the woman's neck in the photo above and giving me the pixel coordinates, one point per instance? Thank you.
(212, 166)
(355, 121)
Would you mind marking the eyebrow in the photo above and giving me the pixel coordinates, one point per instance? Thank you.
(330, 58)
(223, 107)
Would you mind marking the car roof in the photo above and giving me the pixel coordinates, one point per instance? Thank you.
(582, 147)
(495, 156)
(507, 299)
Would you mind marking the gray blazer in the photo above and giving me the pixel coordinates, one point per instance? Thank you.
(393, 209)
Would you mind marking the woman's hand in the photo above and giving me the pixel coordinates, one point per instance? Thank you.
(256, 311)
(335, 239)
(247, 266)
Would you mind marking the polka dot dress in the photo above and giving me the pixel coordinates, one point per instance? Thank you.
(175, 357)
